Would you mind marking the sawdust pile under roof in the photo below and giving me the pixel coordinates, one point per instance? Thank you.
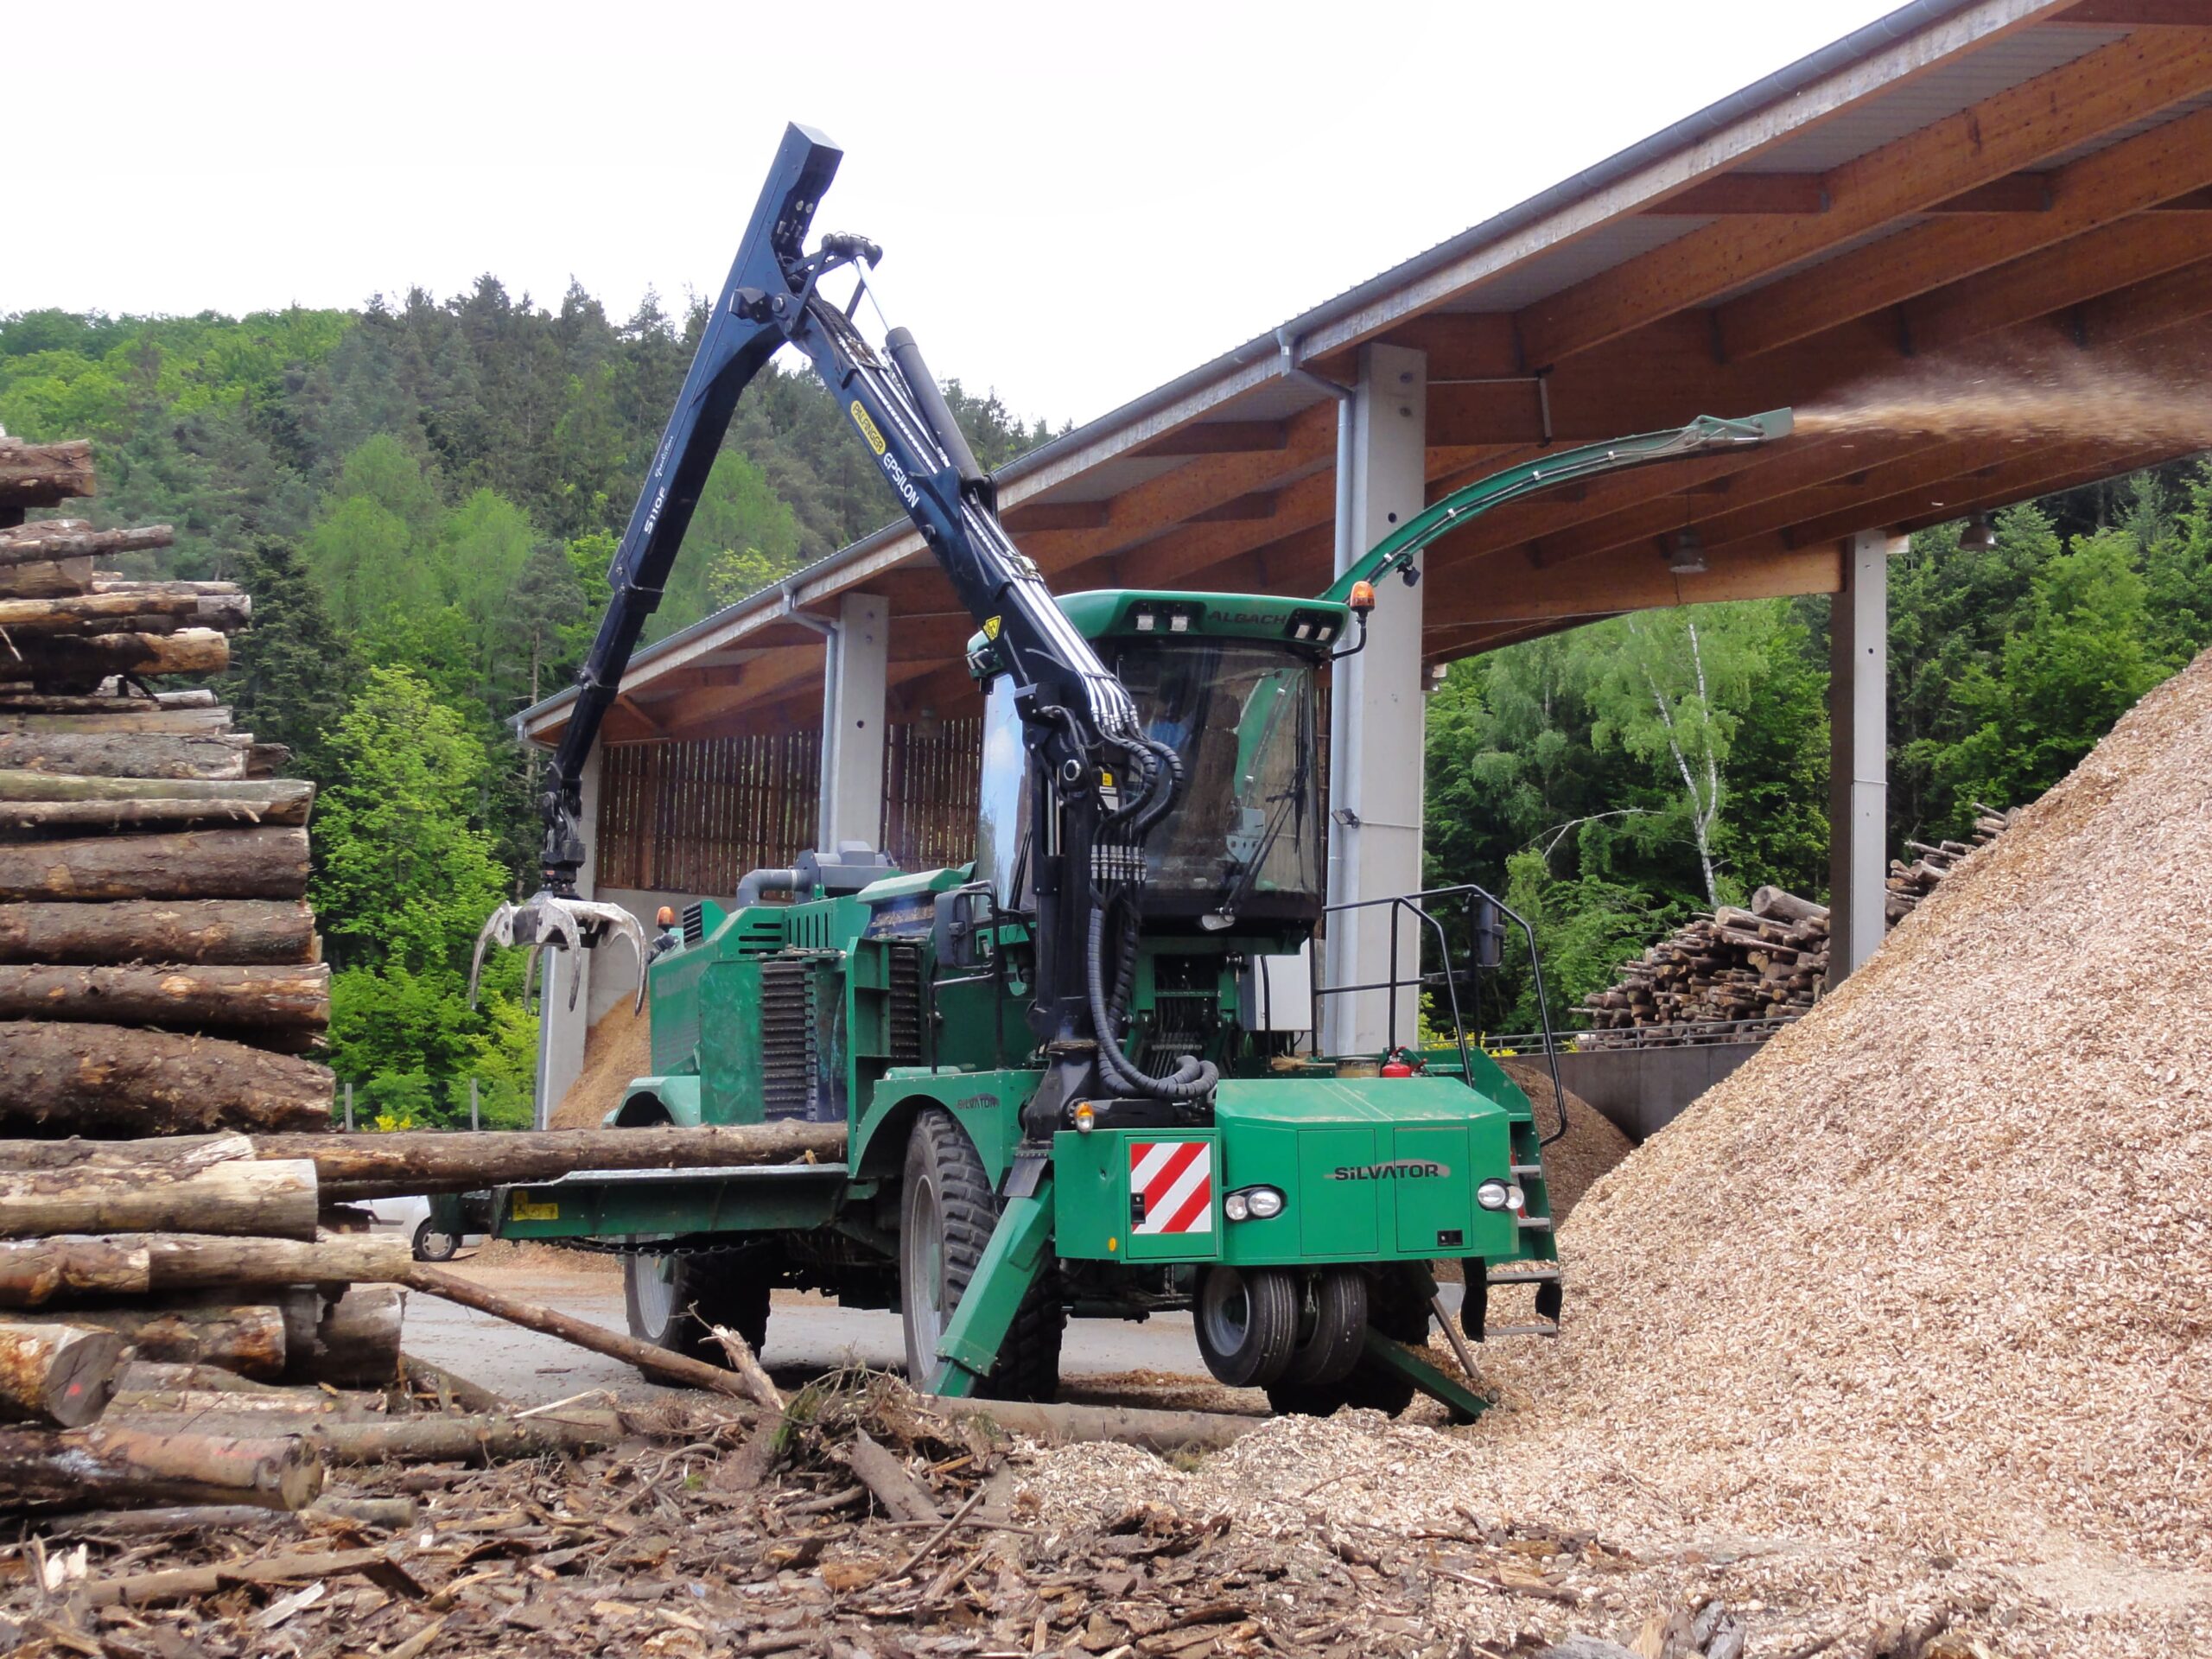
(1913, 1309)
(618, 1047)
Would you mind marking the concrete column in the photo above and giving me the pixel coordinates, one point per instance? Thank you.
(1377, 718)
(561, 1030)
(853, 672)
(1858, 788)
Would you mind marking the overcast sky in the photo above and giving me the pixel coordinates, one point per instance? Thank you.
(1077, 201)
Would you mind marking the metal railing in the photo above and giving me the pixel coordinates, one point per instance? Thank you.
(1422, 908)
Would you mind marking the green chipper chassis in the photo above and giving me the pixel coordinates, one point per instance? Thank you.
(1065, 1082)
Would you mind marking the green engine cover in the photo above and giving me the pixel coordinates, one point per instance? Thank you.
(1375, 1169)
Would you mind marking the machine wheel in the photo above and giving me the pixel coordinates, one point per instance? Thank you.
(432, 1245)
(659, 1292)
(1330, 1342)
(1247, 1324)
(1395, 1309)
(946, 1213)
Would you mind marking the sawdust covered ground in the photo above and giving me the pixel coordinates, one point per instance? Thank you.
(1905, 1323)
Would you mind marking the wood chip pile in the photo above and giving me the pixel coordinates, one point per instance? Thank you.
(1895, 1342)
(1752, 970)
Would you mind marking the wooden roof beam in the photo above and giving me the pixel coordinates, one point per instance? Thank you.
(2131, 14)
(1144, 509)
(2125, 178)
(1633, 579)
(2034, 472)
(1221, 438)
(2009, 131)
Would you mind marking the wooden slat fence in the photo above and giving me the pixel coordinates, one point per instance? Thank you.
(694, 817)
(931, 783)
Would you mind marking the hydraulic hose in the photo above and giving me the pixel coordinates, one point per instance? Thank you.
(1193, 1078)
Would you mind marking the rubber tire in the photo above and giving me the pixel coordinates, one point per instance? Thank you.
(947, 1211)
(425, 1251)
(1270, 1324)
(727, 1291)
(1327, 1353)
(1397, 1311)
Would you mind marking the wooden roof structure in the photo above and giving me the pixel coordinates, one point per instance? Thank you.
(1960, 181)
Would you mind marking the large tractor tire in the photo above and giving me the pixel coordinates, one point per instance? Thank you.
(1395, 1309)
(946, 1214)
(659, 1294)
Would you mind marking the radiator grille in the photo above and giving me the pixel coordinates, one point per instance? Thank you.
(788, 1070)
(903, 1007)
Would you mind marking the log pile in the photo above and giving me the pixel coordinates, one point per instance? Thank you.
(159, 978)
(1910, 883)
(158, 963)
(1739, 976)
(1743, 971)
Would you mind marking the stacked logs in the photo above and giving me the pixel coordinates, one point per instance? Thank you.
(1910, 883)
(1738, 974)
(158, 977)
(155, 947)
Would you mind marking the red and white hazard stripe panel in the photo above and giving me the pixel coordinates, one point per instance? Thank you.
(1176, 1178)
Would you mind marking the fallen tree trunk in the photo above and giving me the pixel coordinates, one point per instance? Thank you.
(388, 1514)
(249, 1340)
(128, 755)
(47, 703)
(190, 1583)
(126, 607)
(430, 1438)
(36, 1271)
(268, 795)
(193, 998)
(261, 863)
(239, 931)
(356, 1166)
(72, 539)
(175, 1156)
(656, 1362)
(356, 1342)
(46, 578)
(87, 661)
(59, 1374)
(1160, 1431)
(40, 474)
(127, 714)
(109, 1466)
(244, 1198)
(58, 1076)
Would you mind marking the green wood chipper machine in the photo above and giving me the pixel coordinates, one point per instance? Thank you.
(1072, 1076)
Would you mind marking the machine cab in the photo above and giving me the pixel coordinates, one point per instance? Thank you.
(1230, 682)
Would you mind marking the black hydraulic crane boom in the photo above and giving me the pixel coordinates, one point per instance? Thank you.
(1080, 723)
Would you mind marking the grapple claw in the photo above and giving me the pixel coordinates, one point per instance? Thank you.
(547, 921)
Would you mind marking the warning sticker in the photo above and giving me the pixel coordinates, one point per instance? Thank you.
(1176, 1178)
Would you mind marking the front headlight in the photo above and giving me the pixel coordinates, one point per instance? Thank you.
(1494, 1195)
(1253, 1204)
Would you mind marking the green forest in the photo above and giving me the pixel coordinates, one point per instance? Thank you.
(423, 499)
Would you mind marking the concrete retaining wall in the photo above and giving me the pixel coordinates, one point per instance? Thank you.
(1643, 1088)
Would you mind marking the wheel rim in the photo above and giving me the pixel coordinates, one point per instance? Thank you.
(1227, 1311)
(438, 1244)
(652, 1285)
(923, 1242)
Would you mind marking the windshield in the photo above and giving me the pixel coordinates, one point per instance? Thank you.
(1247, 838)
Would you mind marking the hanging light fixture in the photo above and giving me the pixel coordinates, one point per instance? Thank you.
(1979, 536)
(1685, 550)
